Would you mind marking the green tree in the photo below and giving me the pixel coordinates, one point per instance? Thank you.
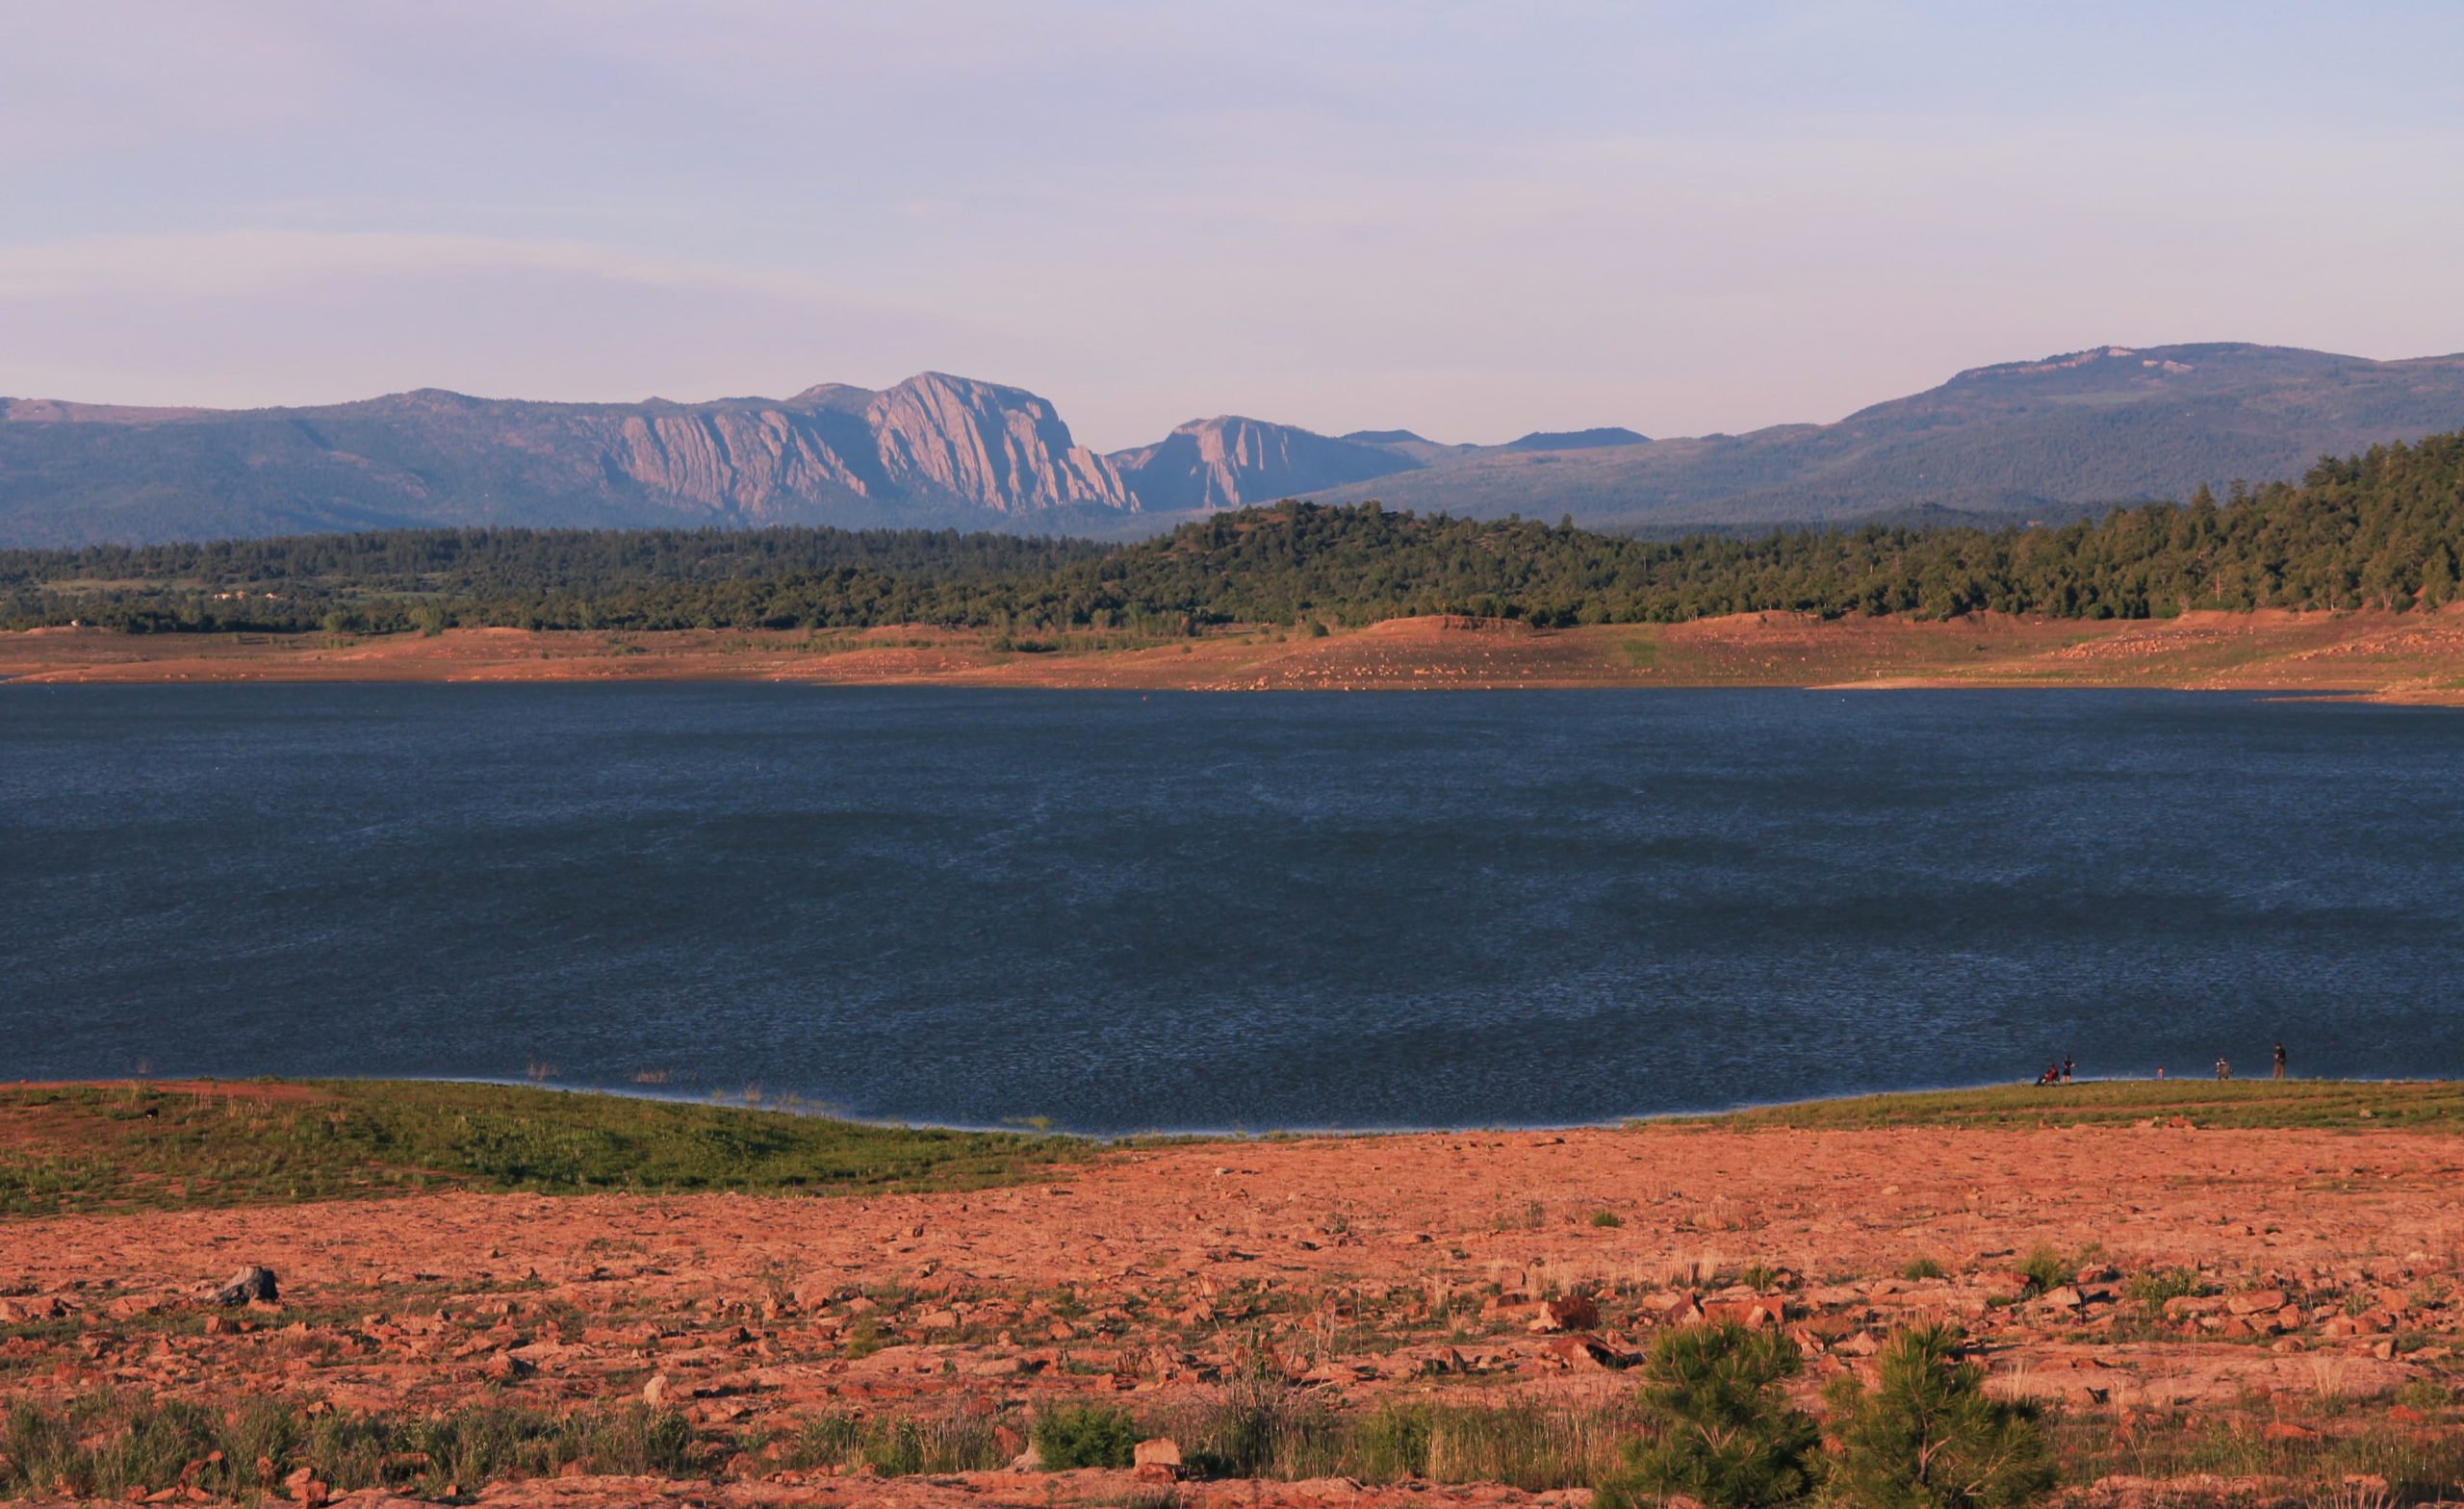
(2438, 577)
(1928, 1437)
(1718, 1424)
(1084, 1435)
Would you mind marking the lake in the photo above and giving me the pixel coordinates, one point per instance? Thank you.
(1131, 912)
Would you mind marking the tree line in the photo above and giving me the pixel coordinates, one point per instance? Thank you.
(2382, 530)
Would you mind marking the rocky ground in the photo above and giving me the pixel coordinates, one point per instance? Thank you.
(2300, 1283)
(2405, 657)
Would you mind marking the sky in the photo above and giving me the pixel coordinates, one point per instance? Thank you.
(1468, 219)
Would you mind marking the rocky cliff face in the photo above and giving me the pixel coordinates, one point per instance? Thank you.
(933, 439)
(933, 450)
(1001, 448)
(757, 465)
(1229, 461)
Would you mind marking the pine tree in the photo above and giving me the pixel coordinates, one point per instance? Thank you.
(1928, 1437)
(2438, 577)
(1720, 1427)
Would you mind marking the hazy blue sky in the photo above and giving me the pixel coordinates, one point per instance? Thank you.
(1471, 219)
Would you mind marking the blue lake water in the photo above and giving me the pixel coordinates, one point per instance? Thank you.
(1130, 912)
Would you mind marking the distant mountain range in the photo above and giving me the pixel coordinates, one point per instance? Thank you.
(2110, 424)
(2021, 440)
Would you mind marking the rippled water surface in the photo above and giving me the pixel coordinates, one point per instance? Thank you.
(1130, 912)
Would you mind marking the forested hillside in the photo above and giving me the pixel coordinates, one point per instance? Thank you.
(2383, 530)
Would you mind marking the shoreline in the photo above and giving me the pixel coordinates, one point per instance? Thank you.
(1928, 1101)
(2386, 658)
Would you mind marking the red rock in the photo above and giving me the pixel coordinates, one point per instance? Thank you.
(1752, 1313)
(1578, 1351)
(1572, 1312)
(1157, 1460)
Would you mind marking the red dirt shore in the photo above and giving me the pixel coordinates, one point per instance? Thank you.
(2402, 657)
(1367, 1269)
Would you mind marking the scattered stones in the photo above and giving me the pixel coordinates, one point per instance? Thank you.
(1169, 1282)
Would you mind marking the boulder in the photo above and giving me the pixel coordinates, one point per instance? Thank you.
(1585, 1351)
(1752, 1313)
(46, 1307)
(248, 1285)
(1157, 1460)
(1572, 1313)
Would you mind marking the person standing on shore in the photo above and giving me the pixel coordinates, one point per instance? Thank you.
(2280, 1061)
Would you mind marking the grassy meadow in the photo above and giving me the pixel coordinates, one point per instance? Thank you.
(68, 1149)
(2337, 1105)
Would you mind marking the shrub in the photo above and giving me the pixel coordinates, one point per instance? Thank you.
(1085, 1435)
(2156, 1286)
(1606, 1219)
(2046, 1268)
(107, 1445)
(829, 1440)
(1261, 1424)
(1392, 1443)
(1719, 1428)
(1928, 1437)
(896, 1445)
(1921, 1269)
